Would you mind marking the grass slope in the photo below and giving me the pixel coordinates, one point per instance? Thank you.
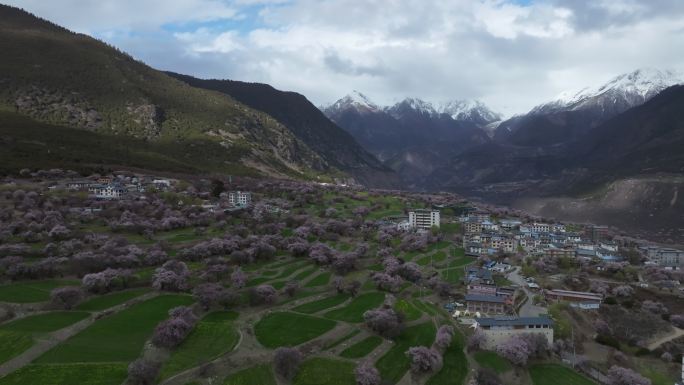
(492, 361)
(213, 336)
(262, 375)
(18, 336)
(290, 329)
(353, 312)
(118, 338)
(394, 364)
(110, 300)
(91, 374)
(321, 304)
(362, 348)
(31, 291)
(552, 374)
(325, 371)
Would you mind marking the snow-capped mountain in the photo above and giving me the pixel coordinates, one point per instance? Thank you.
(411, 105)
(617, 95)
(355, 100)
(471, 111)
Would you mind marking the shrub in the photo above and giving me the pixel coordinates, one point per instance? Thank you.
(286, 362)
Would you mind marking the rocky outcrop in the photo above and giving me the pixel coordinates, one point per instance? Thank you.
(149, 116)
(55, 106)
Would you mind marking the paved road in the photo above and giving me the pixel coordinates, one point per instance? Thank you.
(528, 309)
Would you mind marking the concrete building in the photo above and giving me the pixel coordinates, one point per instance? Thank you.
(424, 219)
(541, 227)
(487, 304)
(239, 198)
(500, 329)
(666, 257)
(472, 227)
(576, 297)
(79, 185)
(558, 252)
(597, 233)
(110, 191)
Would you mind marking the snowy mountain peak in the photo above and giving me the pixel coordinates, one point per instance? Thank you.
(355, 100)
(469, 110)
(417, 105)
(626, 90)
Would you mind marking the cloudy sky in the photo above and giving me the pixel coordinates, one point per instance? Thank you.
(511, 54)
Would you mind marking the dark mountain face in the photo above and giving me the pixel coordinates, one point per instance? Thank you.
(646, 138)
(337, 147)
(410, 137)
(572, 116)
(59, 77)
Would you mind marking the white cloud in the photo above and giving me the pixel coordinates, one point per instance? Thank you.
(511, 56)
(104, 15)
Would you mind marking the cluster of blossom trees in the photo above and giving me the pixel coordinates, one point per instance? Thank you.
(385, 321)
(107, 280)
(519, 348)
(172, 331)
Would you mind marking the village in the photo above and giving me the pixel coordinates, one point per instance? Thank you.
(582, 298)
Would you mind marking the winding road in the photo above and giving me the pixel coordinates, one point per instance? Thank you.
(528, 309)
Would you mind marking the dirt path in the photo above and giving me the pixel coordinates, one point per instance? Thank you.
(676, 333)
(51, 340)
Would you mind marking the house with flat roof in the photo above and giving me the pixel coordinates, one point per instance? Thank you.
(488, 304)
(576, 297)
(423, 219)
(499, 329)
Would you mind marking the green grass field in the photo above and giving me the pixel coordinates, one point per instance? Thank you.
(410, 312)
(91, 374)
(110, 300)
(362, 348)
(319, 280)
(18, 336)
(353, 312)
(325, 371)
(46, 322)
(32, 291)
(213, 336)
(342, 339)
(262, 375)
(453, 275)
(13, 344)
(552, 374)
(321, 304)
(304, 273)
(118, 338)
(455, 368)
(394, 364)
(493, 361)
(290, 329)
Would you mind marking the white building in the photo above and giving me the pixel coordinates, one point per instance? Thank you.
(240, 198)
(500, 329)
(424, 219)
(541, 227)
(666, 257)
(110, 191)
(403, 226)
(161, 184)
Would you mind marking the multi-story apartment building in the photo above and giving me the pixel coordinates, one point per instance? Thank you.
(541, 227)
(424, 219)
(239, 198)
(487, 304)
(499, 329)
(666, 257)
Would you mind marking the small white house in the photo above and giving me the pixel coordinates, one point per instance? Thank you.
(239, 198)
(110, 191)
